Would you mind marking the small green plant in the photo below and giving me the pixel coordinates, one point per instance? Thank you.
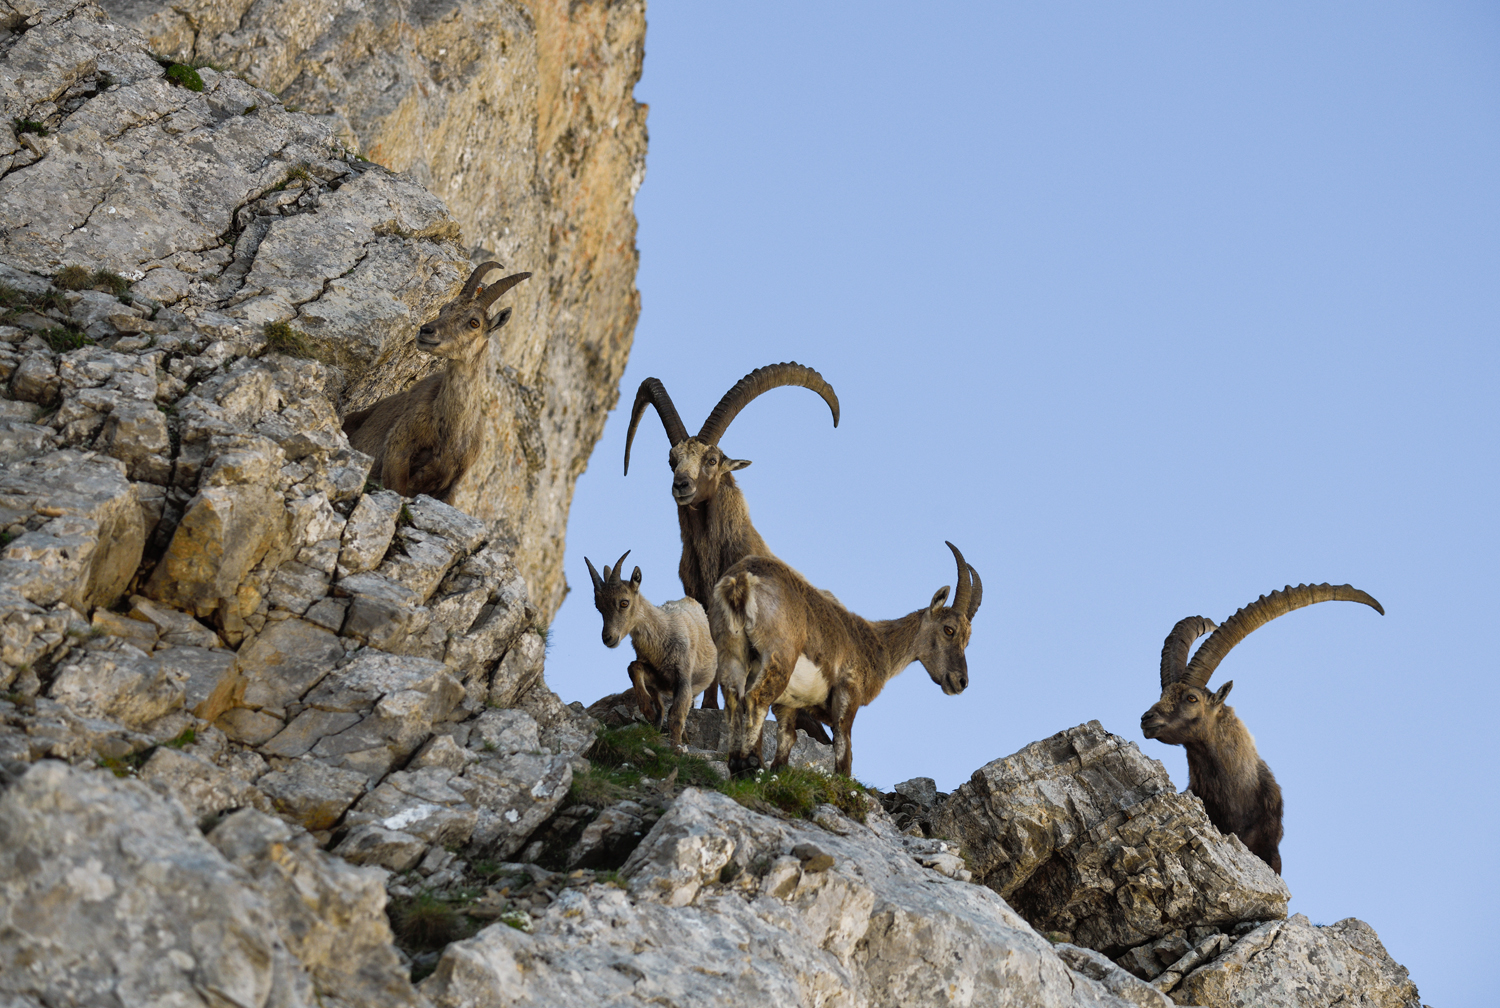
(611, 878)
(626, 754)
(6, 538)
(10, 297)
(110, 282)
(187, 738)
(797, 791)
(62, 339)
(518, 919)
(124, 766)
(19, 126)
(371, 486)
(284, 339)
(424, 922)
(73, 277)
(184, 76)
(405, 518)
(49, 299)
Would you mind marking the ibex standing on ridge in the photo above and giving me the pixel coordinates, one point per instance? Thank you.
(711, 510)
(1238, 790)
(784, 644)
(424, 439)
(674, 652)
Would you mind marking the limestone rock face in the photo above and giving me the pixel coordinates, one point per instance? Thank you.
(1084, 835)
(1290, 963)
(518, 114)
(80, 854)
(721, 911)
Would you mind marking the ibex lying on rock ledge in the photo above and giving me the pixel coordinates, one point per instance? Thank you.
(674, 651)
(1238, 790)
(786, 645)
(711, 510)
(424, 439)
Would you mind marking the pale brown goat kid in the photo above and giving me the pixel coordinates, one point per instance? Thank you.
(1238, 790)
(785, 645)
(424, 439)
(674, 652)
(711, 511)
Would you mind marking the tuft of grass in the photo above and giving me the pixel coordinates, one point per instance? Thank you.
(633, 751)
(612, 877)
(185, 76)
(62, 339)
(797, 791)
(187, 738)
(424, 922)
(518, 919)
(6, 538)
(597, 787)
(73, 277)
(110, 282)
(405, 516)
(124, 766)
(293, 342)
(10, 297)
(19, 126)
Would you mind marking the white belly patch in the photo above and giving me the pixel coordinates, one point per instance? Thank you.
(808, 688)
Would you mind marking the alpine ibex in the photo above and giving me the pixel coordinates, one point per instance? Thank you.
(674, 652)
(1238, 790)
(424, 439)
(786, 645)
(711, 511)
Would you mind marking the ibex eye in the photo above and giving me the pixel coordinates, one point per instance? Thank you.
(1191, 699)
(948, 630)
(624, 603)
(473, 323)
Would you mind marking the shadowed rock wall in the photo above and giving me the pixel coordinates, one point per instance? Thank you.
(519, 115)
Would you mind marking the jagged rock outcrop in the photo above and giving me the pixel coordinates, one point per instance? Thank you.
(1087, 837)
(728, 907)
(519, 115)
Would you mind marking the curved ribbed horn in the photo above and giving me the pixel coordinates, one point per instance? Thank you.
(652, 392)
(613, 576)
(965, 585)
(472, 284)
(978, 595)
(493, 291)
(594, 575)
(1260, 612)
(763, 380)
(1179, 644)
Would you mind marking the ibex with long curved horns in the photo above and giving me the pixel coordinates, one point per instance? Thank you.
(1238, 790)
(674, 653)
(786, 645)
(711, 510)
(424, 439)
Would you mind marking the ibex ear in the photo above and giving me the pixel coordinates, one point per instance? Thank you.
(500, 320)
(938, 598)
(730, 465)
(635, 578)
(1218, 698)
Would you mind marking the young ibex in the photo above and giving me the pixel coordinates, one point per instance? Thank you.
(711, 511)
(424, 439)
(786, 645)
(1238, 790)
(674, 652)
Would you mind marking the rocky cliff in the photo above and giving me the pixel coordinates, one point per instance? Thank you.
(273, 736)
(518, 115)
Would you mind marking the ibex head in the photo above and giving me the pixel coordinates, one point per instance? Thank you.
(462, 324)
(945, 630)
(697, 463)
(616, 600)
(1188, 710)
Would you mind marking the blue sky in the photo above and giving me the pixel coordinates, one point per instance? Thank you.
(1151, 309)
